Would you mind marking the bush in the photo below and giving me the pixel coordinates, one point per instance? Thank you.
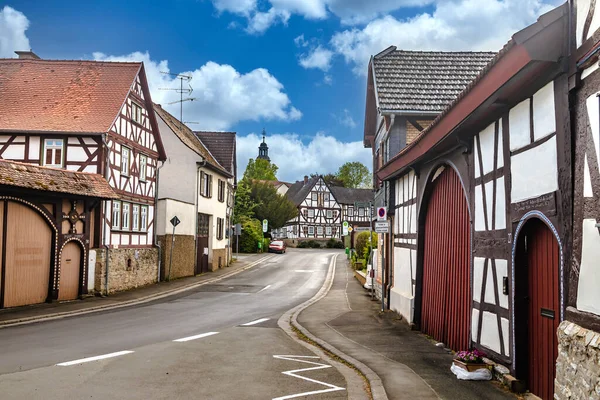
(334, 244)
(309, 244)
(302, 245)
(251, 234)
(314, 244)
(362, 244)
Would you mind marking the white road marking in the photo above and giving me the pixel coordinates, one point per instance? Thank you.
(96, 358)
(258, 321)
(331, 388)
(200, 336)
(304, 270)
(265, 288)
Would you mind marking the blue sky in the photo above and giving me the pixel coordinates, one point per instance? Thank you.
(294, 67)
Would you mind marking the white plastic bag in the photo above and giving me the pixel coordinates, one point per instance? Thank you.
(482, 374)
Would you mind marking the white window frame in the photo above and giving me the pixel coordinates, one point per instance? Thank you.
(143, 167)
(143, 218)
(126, 216)
(311, 230)
(314, 196)
(350, 211)
(311, 213)
(54, 146)
(125, 160)
(136, 112)
(329, 213)
(326, 196)
(116, 214)
(135, 217)
(328, 231)
(320, 230)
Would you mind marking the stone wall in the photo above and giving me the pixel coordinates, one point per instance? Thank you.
(578, 363)
(184, 256)
(128, 269)
(222, 253)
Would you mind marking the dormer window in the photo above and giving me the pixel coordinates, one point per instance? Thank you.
(53, 152)
(136, 112)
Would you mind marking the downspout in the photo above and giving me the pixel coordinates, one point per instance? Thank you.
(104, 204)
(199, 165)
(156, 243)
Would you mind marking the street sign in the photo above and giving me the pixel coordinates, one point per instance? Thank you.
(381, 213)
(238, 229)
(175, 221)
(382, 227)
(362, 229)
(265, 226)
(345, 228)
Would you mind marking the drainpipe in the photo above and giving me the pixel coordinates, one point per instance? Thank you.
(156, 243)
(104, 204)
(199, 165)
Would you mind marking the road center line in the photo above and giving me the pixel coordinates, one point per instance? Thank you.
(95, 358)
(265, 288)
(258, 321)
(200, 336)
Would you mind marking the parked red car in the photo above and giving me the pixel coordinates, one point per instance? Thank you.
(277, 246)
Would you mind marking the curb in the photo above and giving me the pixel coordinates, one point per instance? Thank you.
(128, 303)
(290, 319)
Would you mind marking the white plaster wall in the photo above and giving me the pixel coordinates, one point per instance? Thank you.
(14, 152)
(91, 269)
(502, 271)
(587, 180)
(490, 336)
(594, 116)
(505, 337)
(478, 264)
(534, 172)
(583, 7)
(588, 291)
(474, 324)
(589, 70)
(34, 147)
(519, 125)
(167, 209)
(403, 304)
(486, 142)
(500, 204)
(479, 209)
(76, 154)
(212, 206)
(544, 119)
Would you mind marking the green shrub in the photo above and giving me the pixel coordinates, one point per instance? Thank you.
(339, 245)
(334, 244)
(309, 244)
(362, 243)
(251, 234)
(315, 244)
(303, 245)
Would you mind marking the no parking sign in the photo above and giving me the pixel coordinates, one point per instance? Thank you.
(381, 213)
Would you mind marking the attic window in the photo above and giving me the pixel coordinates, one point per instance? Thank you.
(136, 112)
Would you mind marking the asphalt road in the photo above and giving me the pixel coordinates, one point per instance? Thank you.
(219, 341)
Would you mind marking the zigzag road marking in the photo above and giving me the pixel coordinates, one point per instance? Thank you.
(330, 388)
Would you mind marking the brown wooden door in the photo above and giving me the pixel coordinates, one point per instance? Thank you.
(70, 272)
(544, 308)
(203, 230)
(28, 256)
(446, 293)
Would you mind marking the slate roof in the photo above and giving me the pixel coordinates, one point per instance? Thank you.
(349, 195)
(186, 135)
(423, 80)
(48, 179)
(63, 96)
(222, 146)
(298, 191)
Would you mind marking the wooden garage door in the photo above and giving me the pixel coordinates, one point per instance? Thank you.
(446, 294)
(544, 308)
(70, 275)
(28, 251)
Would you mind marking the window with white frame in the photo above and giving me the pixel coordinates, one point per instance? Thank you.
(319, 230)
(53, 152)
(326, 196)
(205, 184)
(143, 164)
(135, 217)
(328, 231)
(311, 213)
(329, 213)
(126, 216)
(311, 230)
(125, 155)
(143, 218)
(314, 196)
(116, 216)
(350, 211)
(136, 112)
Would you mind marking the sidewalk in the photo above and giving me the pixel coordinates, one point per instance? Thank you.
(56, 309)
(409, 365)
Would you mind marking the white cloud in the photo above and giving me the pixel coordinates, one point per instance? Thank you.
(223, 95)
(454, 25)
(327, 79)
(259, 22)
(346, 119)
(13, 25)
(323, 154)
(300, 41)
(362, 11)
(242, 7)
(319, 58)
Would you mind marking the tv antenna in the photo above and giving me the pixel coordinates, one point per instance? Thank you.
(181, 91)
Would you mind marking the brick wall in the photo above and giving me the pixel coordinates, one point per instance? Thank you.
(127, 269)
(578, 363)
(412, 132)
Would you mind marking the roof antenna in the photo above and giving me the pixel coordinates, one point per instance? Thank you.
(181, 91)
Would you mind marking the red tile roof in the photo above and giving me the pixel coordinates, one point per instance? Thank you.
(48, 179)
(63, 96)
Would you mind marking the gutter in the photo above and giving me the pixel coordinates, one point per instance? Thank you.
(409, 112)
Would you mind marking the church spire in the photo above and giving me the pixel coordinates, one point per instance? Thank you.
(263, 149)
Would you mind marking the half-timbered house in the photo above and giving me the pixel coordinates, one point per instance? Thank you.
(482, 201)
(355, 210)
(202, 206)
(89, 117)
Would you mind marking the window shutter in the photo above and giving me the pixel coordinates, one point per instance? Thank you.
(210, 185)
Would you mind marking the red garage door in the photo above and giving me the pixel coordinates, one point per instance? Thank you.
(446, 294)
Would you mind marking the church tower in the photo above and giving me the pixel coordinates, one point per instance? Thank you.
(263, 149)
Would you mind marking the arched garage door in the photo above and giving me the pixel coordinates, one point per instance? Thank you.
(27, 257)
(446, 293)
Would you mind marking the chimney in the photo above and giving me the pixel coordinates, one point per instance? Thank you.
(305, 179)
(27, 55)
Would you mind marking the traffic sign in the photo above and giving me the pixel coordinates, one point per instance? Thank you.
(382, 227)
(362, 229)
(350, 229)
(381, 213)
(265, 226)
(238, 229)
(175, 221)
(345, 228)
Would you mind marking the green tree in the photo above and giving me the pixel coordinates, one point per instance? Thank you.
(355, 175)
(260, 169)
(244, 205)
(251, 234)
(270, 205)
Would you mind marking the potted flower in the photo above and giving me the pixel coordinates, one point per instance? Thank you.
(470, 360)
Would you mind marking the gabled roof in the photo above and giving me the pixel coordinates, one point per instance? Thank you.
(299, 190)
(425, 81)
(188, 138)
(28, 176)
(222, 146)
(345, 195)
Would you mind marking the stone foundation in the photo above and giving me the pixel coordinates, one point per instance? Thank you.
(184, 256)
(578, 363)
(219, 253)
(127, 269)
